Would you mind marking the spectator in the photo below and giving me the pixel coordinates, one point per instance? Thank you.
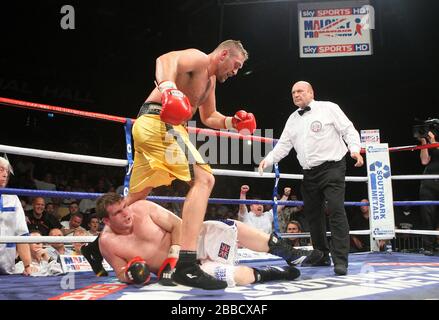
(38, 219)
(287, 213)
(12, 223)
(73, 208)
(57, 249)
(360, 221)
(42, 264)
(294, 227)
(93, 225)
(38, 253)
(256, 217)
(52, 209)
(68, 227)
(429, 190)
(78, 245)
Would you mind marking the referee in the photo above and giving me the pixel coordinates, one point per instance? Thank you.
(319, 132)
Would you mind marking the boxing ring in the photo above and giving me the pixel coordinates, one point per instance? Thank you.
(372, 275)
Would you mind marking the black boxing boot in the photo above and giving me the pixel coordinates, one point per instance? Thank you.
(188, 273)
(280, 247)
(272, 273)
(93, 255)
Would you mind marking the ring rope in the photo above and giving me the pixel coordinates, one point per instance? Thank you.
(101, 116)
(86, 239)
(54, 155)
(47, 239)
(86, 195)
(209, 132)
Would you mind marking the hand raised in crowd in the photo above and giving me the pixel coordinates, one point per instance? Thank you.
(245, 188)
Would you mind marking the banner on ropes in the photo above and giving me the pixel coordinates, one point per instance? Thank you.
(78, 263)
(381, 216)
(334, 29)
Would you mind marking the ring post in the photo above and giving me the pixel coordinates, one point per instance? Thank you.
(129, 149)
(275, 193)
(381, 216)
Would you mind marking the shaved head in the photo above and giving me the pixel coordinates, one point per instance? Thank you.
(304, 84)
(302, 93)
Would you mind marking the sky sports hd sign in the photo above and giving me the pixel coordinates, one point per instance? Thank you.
(334, 29)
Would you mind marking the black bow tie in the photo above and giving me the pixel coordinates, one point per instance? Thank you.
(302, 111)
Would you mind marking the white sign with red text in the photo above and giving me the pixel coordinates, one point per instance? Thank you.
(334, 29)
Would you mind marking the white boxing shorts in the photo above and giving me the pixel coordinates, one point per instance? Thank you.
(217, 248)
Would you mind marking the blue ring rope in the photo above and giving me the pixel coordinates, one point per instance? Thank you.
(85, 195)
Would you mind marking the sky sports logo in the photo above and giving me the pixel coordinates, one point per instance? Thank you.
(336, 48)
(330, 12)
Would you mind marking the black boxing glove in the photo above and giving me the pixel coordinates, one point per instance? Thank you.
(136, 271)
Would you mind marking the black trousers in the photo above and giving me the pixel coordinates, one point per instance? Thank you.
(429, 190)
(326, 183)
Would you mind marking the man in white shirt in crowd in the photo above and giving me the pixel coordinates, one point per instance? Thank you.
(256, 217)
(318, 131)
(68, 227)
(57, 249)
(12, 223)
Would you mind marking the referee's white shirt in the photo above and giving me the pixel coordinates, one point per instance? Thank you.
(317, 136)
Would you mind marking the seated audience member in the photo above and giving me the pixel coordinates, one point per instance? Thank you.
(78, 245)
(360, 221)
(38, 219)
(68, 227)
(12, 223)
(295, 227)
(94, 226)
(42, 264)
(56, 249)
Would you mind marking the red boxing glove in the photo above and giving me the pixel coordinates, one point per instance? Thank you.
(176, 107)
(167, 267)
(136, 271)
(242, 121)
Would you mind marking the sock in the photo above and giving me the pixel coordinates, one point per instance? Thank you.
(186, 258)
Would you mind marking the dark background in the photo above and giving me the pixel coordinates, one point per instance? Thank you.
(106, 64)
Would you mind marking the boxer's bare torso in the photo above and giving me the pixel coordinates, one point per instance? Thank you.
(140, 235)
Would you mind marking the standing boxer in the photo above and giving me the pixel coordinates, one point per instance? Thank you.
(186, 82)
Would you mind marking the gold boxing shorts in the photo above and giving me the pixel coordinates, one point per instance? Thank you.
(163, 152)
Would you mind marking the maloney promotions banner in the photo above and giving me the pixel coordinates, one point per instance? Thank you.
(381, 216)
(334, 29)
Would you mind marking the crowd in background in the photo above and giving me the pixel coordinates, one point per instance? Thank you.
(75, 216)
